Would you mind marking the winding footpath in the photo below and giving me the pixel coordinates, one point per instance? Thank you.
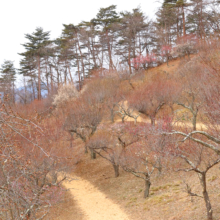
(94, 204)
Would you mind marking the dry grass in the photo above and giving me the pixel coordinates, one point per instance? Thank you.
(168, 199)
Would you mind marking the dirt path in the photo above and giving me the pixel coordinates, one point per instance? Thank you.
(94, 204)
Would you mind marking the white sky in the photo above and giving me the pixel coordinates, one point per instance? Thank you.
(19, 17)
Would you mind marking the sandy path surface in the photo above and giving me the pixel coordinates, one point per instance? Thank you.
(94, 204)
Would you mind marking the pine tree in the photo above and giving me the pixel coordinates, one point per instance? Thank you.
(89, 39)
(165, 26)
(131, 34)
(7, 79)
(106, 18)
(180, 5)
(198, 18)
(36, 49)
(71, 48)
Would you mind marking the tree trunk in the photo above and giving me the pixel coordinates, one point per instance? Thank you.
(116, 169)
(208, 205)
(134, 55)
(159, 167)
(135, 121)
(13, 90)
(202, 177)
(51, 80)
(194, 120)
(79, 77)
(152, 119)
(147, 186)
(25, 92)
(47, 78)
(109, 51)
(184, 22)
(33, 88)
(123, 119)
(65, 75)
(93, 154)
(92, 51)
(71, 78)
(177, 26)
(112, 115)
(129, 60)
(167, 60)
(71, 139)
(58, 75)
(81, 57)
(39, 79)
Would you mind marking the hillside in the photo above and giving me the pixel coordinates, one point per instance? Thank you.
(116, 118)
(169, 196)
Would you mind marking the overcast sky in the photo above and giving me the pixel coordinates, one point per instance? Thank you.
(18, 17)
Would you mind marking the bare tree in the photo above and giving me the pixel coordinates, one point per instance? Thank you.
(105, 145)
(149, 153)
(191, 74)
(199, 159)
(83, 120)
(28, 170)
(151, 98)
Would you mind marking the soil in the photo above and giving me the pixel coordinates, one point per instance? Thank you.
(94, 204)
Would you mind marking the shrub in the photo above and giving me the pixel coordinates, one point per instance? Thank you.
(65, 94)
